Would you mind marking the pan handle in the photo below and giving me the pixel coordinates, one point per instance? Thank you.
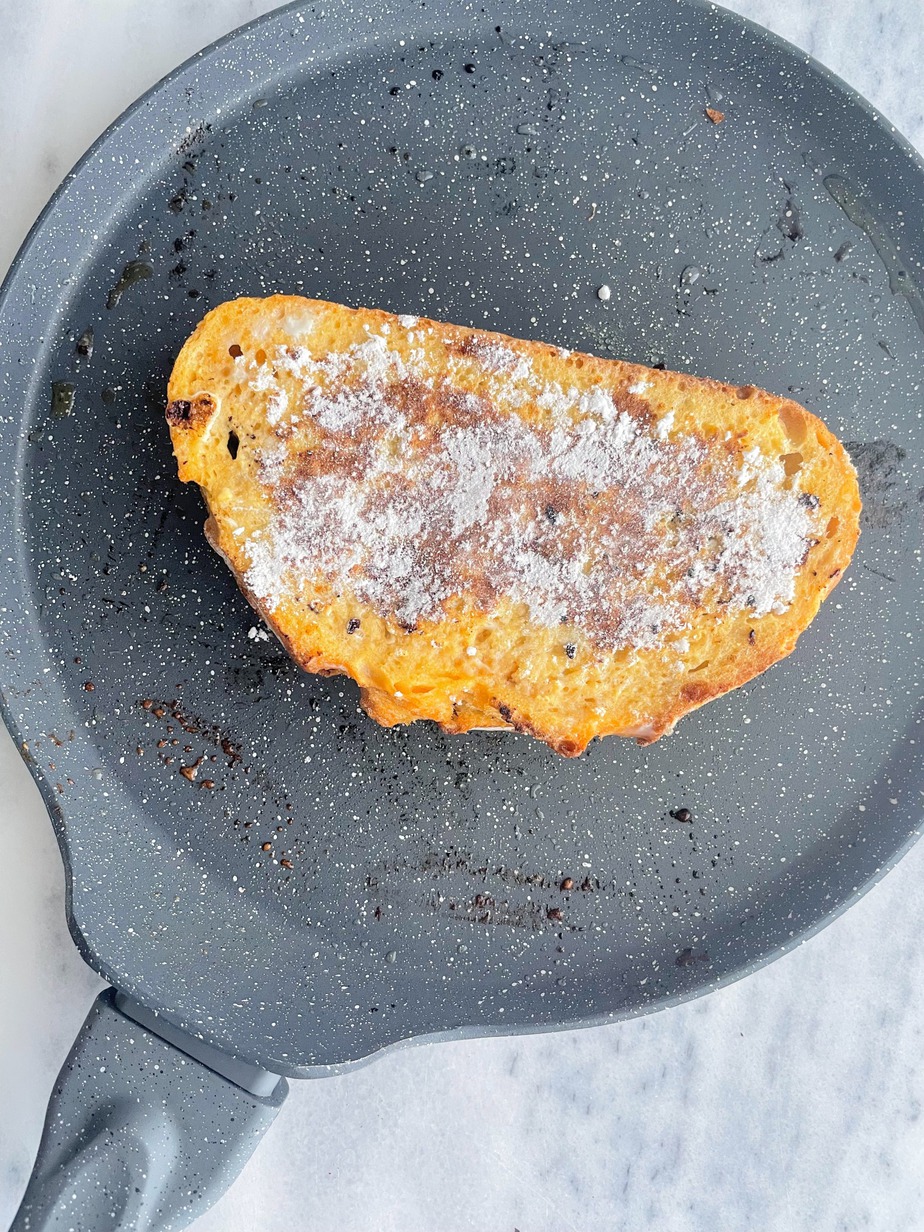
(146, 1126)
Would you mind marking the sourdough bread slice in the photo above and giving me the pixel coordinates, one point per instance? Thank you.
(488, 532)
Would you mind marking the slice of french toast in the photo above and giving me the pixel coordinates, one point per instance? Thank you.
(488, 532)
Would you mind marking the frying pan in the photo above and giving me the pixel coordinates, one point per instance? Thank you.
(274, 885)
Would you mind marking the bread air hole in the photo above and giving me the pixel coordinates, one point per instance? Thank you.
(792, 463)
(234, 442)
(793, 424)
(260, 356)
(700, 667)
(833, 527)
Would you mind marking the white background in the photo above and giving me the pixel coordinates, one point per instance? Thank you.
(791, 1102)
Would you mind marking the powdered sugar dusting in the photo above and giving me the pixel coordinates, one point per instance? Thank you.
(392, 483)
(665, 425)
(640, 387)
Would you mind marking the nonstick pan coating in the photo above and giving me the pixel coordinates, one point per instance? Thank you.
(473, 167)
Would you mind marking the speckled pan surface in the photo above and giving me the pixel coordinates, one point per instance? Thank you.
(491, 167)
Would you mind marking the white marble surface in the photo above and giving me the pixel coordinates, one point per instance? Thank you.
(787, 1103)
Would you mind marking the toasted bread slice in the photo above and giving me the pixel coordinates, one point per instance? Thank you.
(493, 533)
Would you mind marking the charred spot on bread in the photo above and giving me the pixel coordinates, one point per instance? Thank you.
(187, 413)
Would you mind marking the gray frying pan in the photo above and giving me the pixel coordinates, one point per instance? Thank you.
(273, 884)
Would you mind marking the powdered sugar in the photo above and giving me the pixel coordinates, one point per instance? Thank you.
(418, 491)
(497, 358)
(277, 405)
(665, 425)
(766, 538)
(640, 387)
(380, 363)
(596, 402)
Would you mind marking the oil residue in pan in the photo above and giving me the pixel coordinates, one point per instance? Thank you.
(861, 215)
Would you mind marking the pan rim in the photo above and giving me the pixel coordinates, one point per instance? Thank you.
(23, 628)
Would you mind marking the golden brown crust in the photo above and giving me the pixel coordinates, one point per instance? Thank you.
(482, 661)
